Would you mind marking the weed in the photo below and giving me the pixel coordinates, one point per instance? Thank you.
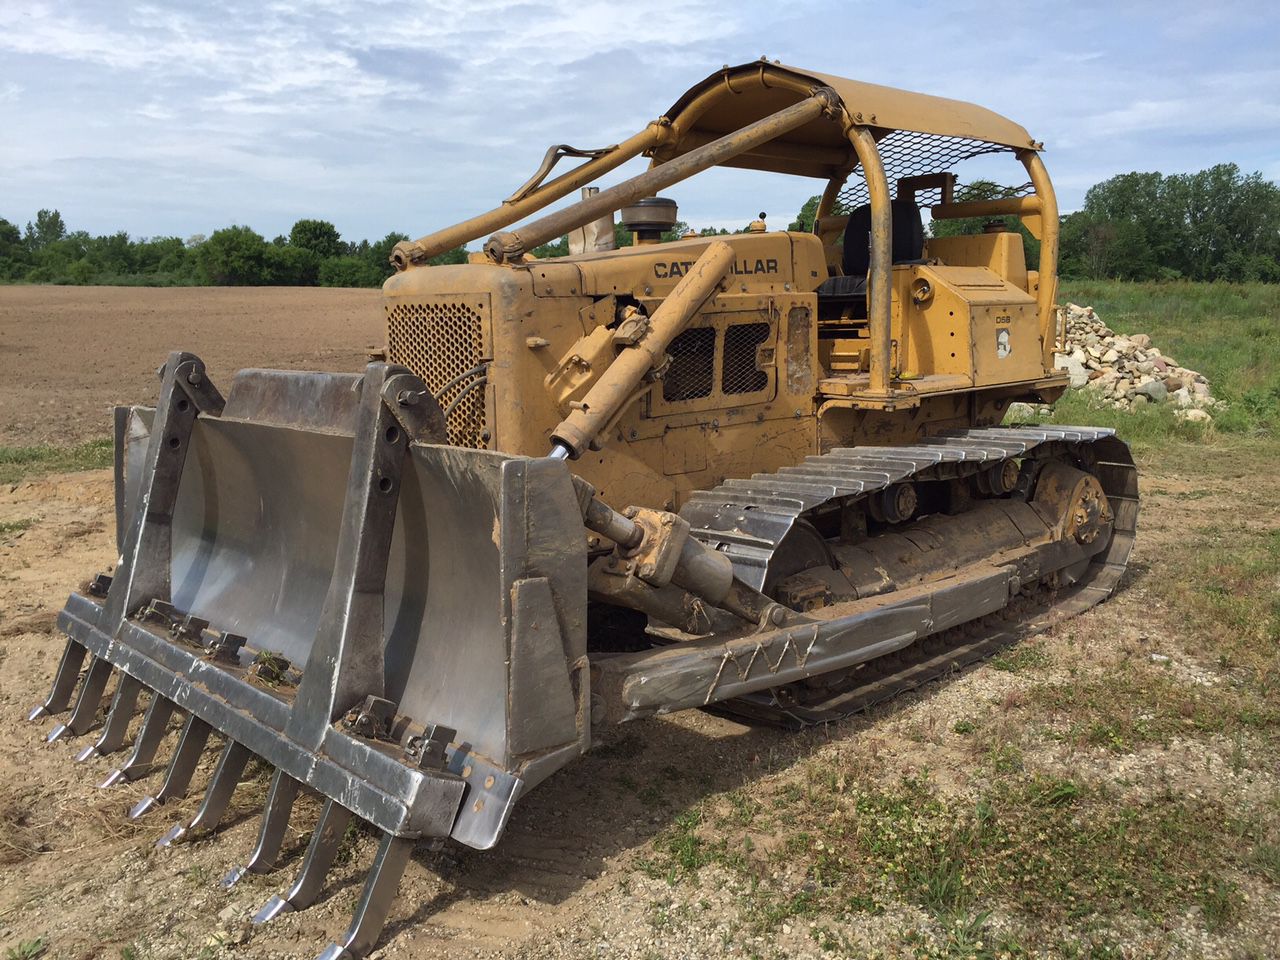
(963, 727)
(1005, 758)
(1024, 656)
(1220, 903)
(26, 950)
(1266, 861)
(10, 527)
(1054, 792)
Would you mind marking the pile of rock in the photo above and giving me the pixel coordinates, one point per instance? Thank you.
(1127, 371)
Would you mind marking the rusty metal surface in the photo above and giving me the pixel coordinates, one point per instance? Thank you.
(607, 398)
(1089, 578)
(749, 518)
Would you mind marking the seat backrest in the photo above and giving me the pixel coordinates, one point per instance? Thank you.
(908, 237)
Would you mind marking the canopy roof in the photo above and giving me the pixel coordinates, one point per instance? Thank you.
(736, 96)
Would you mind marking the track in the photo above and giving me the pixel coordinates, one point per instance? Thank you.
(749, 519)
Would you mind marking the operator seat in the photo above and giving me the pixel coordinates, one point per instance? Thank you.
(908, 247)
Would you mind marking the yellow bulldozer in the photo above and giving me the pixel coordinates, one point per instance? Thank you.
(761, 473)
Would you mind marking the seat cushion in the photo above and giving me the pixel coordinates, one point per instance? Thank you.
(848, 287)
(908, 237)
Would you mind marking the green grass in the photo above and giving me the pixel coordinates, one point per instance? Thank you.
(1230, 332)
(10, 527)
(19, 463)
(26, 950)
(1050, 849)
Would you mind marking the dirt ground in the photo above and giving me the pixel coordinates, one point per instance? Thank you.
(569, 879)
(70, 354)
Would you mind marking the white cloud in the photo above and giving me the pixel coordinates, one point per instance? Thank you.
(173, 117)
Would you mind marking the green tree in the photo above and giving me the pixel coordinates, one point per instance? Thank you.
(557, 248)
(13, 253)
(319, 236)
(291, 266)
(379, 253)
(1214, 224)
(456, 255)
(350, 272)
(47, 229)
(805, 218)
(233, 256)
(1093, 246)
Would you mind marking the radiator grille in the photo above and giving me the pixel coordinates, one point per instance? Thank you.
(443, 344)
(739, 370)
(692, 371)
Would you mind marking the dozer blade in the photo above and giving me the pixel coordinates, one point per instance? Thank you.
(307, 573)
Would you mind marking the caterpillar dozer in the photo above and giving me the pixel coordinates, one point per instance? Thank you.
(762, 473)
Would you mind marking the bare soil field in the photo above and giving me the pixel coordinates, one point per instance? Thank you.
(1109, 789)
(69, 354)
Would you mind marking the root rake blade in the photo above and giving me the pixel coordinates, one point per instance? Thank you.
(308, 573)
(275, 822)
(123, 706)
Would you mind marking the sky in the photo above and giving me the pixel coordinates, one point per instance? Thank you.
(177, 119)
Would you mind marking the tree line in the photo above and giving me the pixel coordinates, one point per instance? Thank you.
(1217, 224)
(313, 254)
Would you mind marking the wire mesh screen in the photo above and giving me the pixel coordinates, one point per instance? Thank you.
(739, 372)
(692, 370)
(441, 343)
(906, 153)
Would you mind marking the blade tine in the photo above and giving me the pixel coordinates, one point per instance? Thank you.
(123, 707)
(64, 682)
(375, 900)
(181, 768)
(222, 785)
(320, 853)
(147, 743)
(275, 822)
(88, 701)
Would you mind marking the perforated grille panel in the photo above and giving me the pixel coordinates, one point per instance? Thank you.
(443, 344)
(908, 154)
(692, 370)
(739, 372)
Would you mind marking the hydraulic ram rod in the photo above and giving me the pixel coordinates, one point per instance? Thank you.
(619, 382)
(510, 245)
